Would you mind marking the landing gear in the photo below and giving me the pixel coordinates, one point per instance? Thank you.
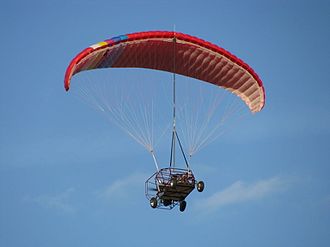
(200, 186)
(167, 202)
(153, 202)
(183, 205)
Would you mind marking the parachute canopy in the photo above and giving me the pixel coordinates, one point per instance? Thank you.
(177, 53)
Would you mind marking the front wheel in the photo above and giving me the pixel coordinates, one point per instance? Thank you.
(200, 186)
(183, 205)
(153, 202)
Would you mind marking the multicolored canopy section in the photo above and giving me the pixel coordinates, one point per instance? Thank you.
(177, 53)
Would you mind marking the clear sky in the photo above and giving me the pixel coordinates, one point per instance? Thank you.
(68, 178)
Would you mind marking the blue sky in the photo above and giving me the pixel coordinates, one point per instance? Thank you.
(68, 178)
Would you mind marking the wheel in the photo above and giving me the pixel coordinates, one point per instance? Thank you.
(200, 186)
(183, 205)
(167, 202)
(153, 202)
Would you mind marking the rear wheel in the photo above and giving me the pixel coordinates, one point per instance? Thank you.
(153, 202)
(200, 186)
(183, 205)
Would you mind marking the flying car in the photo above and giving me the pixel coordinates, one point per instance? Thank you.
(170, 186)
(170, 52)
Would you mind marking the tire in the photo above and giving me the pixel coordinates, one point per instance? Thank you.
(183, 205)
(167, 202)
(153, 202)
(200, 186)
